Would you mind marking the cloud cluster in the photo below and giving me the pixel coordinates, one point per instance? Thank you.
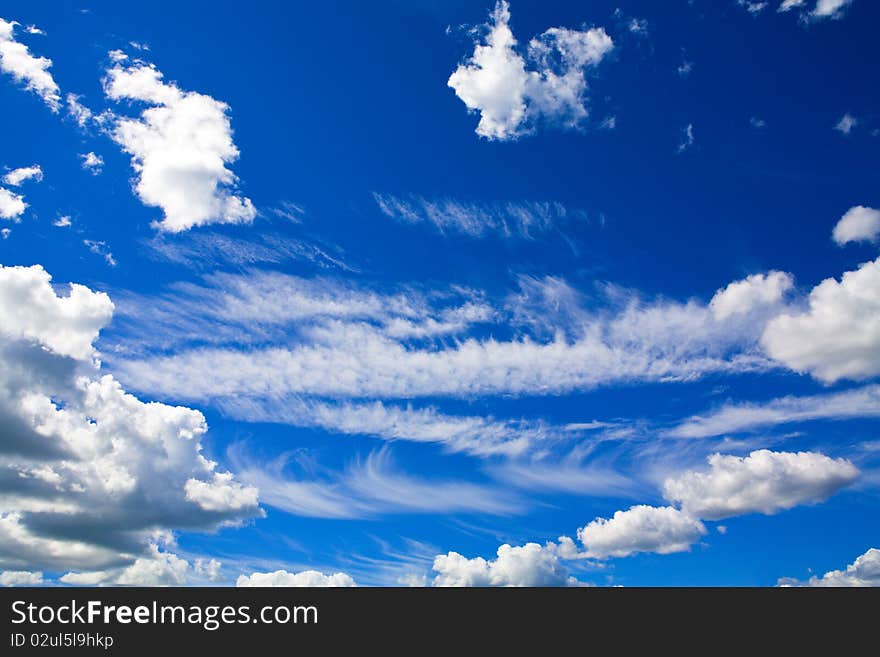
(528, 565)
(180, 145)
(90, 476)
(12, 205)
(515, 93)
(33, 72)
(863, 572)
(307, 578)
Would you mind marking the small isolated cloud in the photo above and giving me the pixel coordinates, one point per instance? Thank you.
(859, 224)
(758, 123)
(687, 138)
(99, 247)
(641, 528)
(33, 72)
(5, 233)
(12, 205)
(762, 482)
(846, 124)
(514, 93)
(863, 572)
(754, 8)
(17, 176)
(180, 148)
(838, 335)
(63, 222)
(685, 68)
(788, 5)
(92, 162)
(307, 578)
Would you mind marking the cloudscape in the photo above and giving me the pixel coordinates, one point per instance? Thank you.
(507, 293)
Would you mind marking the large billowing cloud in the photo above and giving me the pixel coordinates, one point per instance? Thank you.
(33, 72)
(762, 482)
(303, 578)
(641, 528)
(91, 477)
(863, 572)
(838, 336)
(180, 147)
(514, 93)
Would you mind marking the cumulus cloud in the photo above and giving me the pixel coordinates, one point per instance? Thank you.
(89, 473)
(838, 336)
(742, 296)
(864, 571)
(641, 528)
(521, 220)
(12, 205)
(33, 72)
(830, 8)
(515, 93)
(528, 565)
(160, 568)
(304, 578)
(762, 482)
(20, 578)
(180, 146)
(22, 174)
(91, 162)
(734, 418)
(859, 224)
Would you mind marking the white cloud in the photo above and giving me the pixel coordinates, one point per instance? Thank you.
(788, 5)
(364, 489)
(687, 138)
(12, 205)
(762, 482)
(753, 8)
(529, 565)
(846, 124)
(180, 148)
(685, 68)
(5, 233)
(521, 220)
(514, 95)
(208, 569)
(830, 8)
(79, 112)
(63, 222)
(864, 571)
(89, 473)
(22, 174)
(161, 568)
(33, 72)
(100, 247)
(733, 418)
(756, 122)
(92, 162)
(20, 578)
(839, 335)
(741, 297)
(859, 224)
(304, 578)
(641, 528)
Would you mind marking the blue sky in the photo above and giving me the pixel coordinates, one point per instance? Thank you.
(440, 293)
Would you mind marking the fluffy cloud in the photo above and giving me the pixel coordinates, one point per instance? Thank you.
(91, 162)
(20, 175)
(528, 565)
(859, 224)
(304, 578)
(864, 571)
(641, 528)
(180, 148)
(159, 569)
(741, 297)
(762, 482)
(512, 94)
(733, 418)
(12, 205)
(33, 72)
(839, 336)
(830, 8)
(20, 578)
(846, 124)
(89, 473)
